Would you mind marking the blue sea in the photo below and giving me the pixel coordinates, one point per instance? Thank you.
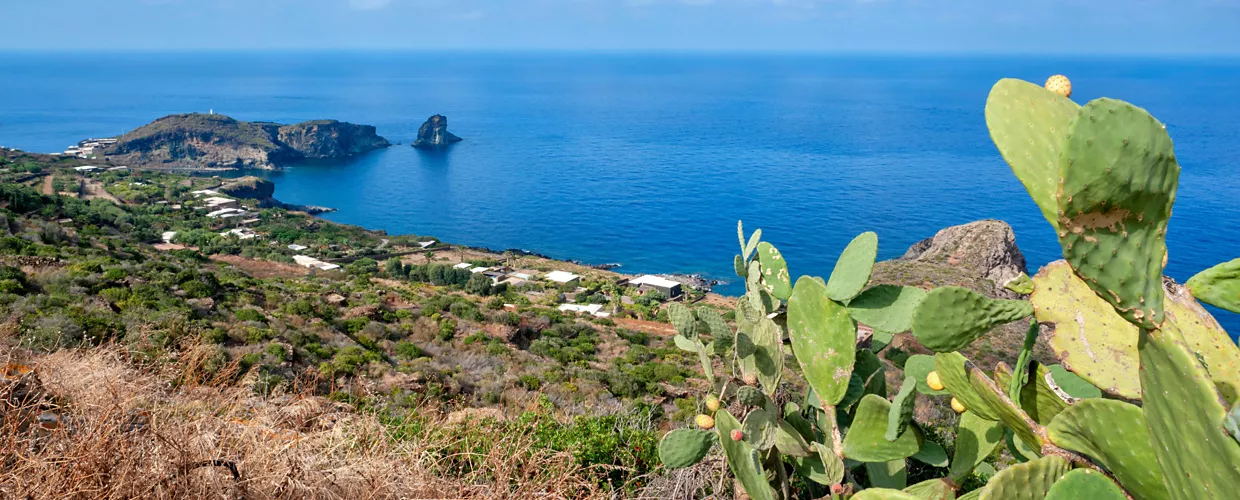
(648, 160)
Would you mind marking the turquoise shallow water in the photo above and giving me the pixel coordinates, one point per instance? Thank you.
(648, 160)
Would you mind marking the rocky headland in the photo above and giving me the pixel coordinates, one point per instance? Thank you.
(433, 134)
(216, 142)
(263, 191)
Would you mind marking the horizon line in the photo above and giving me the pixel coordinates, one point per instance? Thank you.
(616, 51)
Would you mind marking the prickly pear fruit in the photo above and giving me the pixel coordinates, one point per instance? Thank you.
(737, 434)
(837, 489)
(958, 406)
(713, 403)
(750, 379)
(1059, 84)
(934, 382)
(705, 421)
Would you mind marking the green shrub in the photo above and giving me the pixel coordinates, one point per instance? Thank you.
(409, 350)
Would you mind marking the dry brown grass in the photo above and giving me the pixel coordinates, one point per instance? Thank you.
(121, 432)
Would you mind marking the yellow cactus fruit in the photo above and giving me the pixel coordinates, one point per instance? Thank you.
(1059, 84)
(712, 403)
(705, 421)
(958, 406)
(750, 379)
(933, 381)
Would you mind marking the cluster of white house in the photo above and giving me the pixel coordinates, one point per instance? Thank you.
(88, 147)
(86, 169)
(646, 283)
(219, 206)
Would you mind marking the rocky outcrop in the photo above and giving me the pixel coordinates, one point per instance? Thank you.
(433, 134)
(216, 142)
(986, 247)
(331, 139)
(249, 187)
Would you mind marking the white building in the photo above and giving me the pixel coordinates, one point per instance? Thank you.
(313, 263)
(242, 233)
(426, 244)
(668, 288)
(463, 265)
(564, 278)
(168, 236)
(205, 192)
(595, 309)
(479, 269)
(227, 213)
(219, 202)
(86, 169)
(297, 248)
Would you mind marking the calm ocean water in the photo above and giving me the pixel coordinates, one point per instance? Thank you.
(649, 160)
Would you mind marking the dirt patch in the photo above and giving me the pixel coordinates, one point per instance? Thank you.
(94, 189)
(47, 186)
(262, 269)
(651, 327)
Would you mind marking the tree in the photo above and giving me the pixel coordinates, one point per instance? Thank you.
(478, 284)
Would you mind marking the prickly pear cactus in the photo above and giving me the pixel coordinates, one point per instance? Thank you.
(1118, 181)
(976, 438)
(953, 371)
(742, 459)
(1114, 434)
(774, 271)
(1089, 337)
(1028, 481)
(1184, 415)
(684, 447)
(823, 338)
(852, 270)
(951, 318)
(1029, 125)
(1085, 483)
(1218, 286)
(866, 441)
(901, 409)
(887, 308)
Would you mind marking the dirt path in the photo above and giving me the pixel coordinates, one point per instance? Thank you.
(47, 185)
(651, 327)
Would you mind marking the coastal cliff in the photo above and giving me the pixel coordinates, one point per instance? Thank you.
(217, 142)
(433, 134)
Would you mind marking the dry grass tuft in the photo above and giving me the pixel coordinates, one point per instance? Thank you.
(99, 428)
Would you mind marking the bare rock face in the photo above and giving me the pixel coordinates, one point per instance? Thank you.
(986, 248)
(330, 139)
(249, 187)
(216, 142)
(433, 134)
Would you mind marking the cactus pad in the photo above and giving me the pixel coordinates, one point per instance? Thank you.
(1198, 459)
(933, 489)
(775, 271)
(742, 458)
(891, 474)
(823, 338)
(824, 467)
(901, 409)
(684, 447)
(738, 266)
(1113, 434)
(1012, 416)
(1022, 284)
(1071, 385)
(852, 269)
(976, 439)
(932, 454)
(750, 396)
(865, 441)
(788, 440)
(1118, 180)
(1089, 338)
(919, 366)
(682, 319)
(1085, 483)
(887, 308)
(1028, 481)
(1207, 340)
(1218, 286)
(955, 376)
(1029, 125)
(760, 428)
(872, 372)
(950, 318)
(1036, 397)
(884, 494)
(768, 337)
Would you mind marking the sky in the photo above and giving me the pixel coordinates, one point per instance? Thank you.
(902, 26)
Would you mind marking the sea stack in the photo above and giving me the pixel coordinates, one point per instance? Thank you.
(434, 134)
